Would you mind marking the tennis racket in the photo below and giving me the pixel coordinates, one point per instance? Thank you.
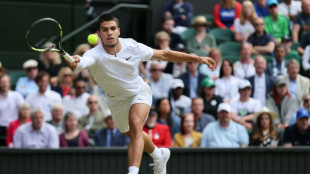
(45, 35)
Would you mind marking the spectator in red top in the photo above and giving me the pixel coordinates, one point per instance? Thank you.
(65, 81)
(159, 133)
(23, 117)
(226, 12)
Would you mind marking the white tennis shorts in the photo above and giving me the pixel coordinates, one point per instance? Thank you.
(120, 108)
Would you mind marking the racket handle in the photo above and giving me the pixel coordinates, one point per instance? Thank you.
(68, 57)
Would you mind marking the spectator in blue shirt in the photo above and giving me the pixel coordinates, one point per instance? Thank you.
(180, 11)
(27, 85)
(261, 8)
(224, 132)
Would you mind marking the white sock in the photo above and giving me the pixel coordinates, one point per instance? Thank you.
(133, 170)
(156, 154)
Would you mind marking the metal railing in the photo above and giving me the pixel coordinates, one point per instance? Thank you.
(111, 10)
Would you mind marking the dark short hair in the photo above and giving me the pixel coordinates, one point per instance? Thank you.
(107, 17)
(230, 64)
(40, 75)
(78, 80)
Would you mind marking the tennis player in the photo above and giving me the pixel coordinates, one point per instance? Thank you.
(114, 65)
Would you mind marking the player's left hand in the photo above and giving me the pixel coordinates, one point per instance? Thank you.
(208, 61)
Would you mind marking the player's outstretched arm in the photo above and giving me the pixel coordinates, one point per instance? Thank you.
(175, 56)
(75, 63)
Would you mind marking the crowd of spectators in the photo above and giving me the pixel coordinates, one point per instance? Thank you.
(262, 99)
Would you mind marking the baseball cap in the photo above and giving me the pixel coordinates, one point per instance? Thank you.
(302, 113)
(272, 2)
(280, 80)
(244, 84)
(224, 107)
(177, 83)
(30, 63)
(207, 82)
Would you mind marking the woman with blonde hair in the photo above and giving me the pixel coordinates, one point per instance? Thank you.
(244, 25)
(225, 13)
(65, 81)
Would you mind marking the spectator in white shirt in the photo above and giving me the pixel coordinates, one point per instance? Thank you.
(77, 103)
(27, 85)
(261, 83)
(44, 98)
(57, 117)
(244, 68)
(36, 134)
(160, 82)
(244, 106)
(9, 102)
(290, 8)
(244, 25)
(180, 104)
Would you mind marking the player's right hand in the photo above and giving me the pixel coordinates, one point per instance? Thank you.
(75, 63)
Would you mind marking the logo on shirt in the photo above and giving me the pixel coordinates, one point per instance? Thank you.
(128, 58)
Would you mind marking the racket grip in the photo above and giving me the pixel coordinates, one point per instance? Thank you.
(68, 57)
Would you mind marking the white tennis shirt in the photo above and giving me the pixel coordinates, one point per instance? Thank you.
(117, 74)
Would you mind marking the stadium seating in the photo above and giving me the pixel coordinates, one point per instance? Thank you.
(187, 34)
(222, 35)
(14, 77)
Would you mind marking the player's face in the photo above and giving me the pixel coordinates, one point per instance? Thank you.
(109, 33)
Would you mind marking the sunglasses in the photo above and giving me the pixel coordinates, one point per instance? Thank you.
(92, 102)
(67, 75)
(258, 24)
(272, 6)
(154, 70)
(80, 87)
(306, 100)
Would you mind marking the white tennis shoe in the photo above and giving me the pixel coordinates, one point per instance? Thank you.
(160, 165)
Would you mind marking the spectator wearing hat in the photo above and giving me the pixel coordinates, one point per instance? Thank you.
(264, 133)
(36, 134)
(290, 8)
(276, 24)
(27, 85)
(179, 102)
(216, 55)
(301, 24)
(261, 41)
(261, 83)
(192, 80)
(201, 43)
(160, 82)
(44, 98)
(159, 133)
(110, 135)
(201, 119)
(9, 102)
(278, 65)
(225, 13)
(72, 136)
(298, 85)
(286, 41)
(298, 134)
(281, 102)
(244, 25)
(210, 100)
(261, 8)
(227, 85)
(244, 68)
(224, 132)
(245, 106)
(305, 104)
(188, 137)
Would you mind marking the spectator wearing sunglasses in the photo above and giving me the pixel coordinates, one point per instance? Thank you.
(76, 102)
(306, 105)
(276, 24)
(27, 85)
(92, 121)
(160, 82)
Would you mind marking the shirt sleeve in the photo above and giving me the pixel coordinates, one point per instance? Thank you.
(147, 52)
(17, 139)
(243, 135)
(297, 20)
(54, 138)
(204, 137)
